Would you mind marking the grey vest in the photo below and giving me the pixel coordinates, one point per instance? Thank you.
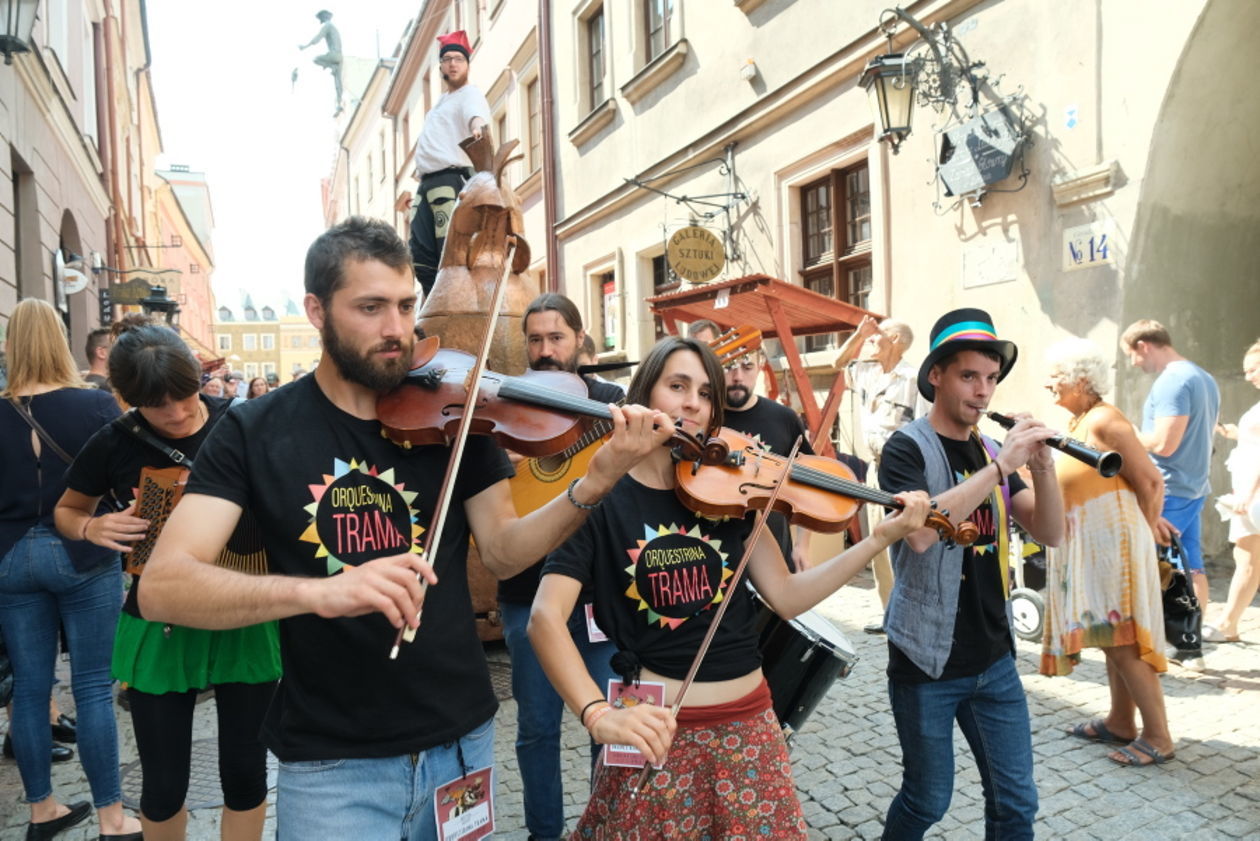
(924, 602)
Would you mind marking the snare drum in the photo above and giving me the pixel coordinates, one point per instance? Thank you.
(801, 659)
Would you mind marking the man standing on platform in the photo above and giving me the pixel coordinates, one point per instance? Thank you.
(441, 164)
(1177, 422)
(773, 425)
(553, 338)
(885, 389)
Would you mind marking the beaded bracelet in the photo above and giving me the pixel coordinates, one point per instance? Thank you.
(597, 715)
(582, 714)
(585, 506)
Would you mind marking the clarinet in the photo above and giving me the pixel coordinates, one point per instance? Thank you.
(1107, 464)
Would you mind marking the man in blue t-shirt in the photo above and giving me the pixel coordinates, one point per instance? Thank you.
(1177, 422)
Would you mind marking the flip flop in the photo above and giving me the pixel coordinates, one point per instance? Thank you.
(1100, 734)
(1140, 746)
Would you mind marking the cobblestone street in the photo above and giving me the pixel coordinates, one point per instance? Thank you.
(847, 762)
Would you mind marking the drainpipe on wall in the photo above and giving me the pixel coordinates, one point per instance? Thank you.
(549, 145)
(110, 27)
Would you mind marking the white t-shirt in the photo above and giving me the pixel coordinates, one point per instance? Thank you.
(889, 400)
(446, 124)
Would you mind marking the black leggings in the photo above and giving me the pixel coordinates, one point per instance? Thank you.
(163, 726)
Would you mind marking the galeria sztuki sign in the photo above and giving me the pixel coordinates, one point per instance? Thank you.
(695, 254)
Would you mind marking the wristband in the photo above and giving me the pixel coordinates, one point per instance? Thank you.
(582, 714)
(1001, 475)
(585, 506)
(597, 715)
(86, 523)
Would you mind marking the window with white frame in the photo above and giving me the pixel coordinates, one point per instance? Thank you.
(225, 341)
(249, 341)
(268, 341)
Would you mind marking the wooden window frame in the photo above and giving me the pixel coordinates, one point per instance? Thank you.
(843, 257)
(595, 87)
(666, 21)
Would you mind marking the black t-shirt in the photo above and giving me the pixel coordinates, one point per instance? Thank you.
(520, 588)
(981, 633)
(329, 491)
(775, 427)
(658, 573)
(112, 459)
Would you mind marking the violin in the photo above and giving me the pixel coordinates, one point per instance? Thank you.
(820, 494)
(537, 413)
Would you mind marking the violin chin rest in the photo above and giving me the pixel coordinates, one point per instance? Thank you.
(424, 352)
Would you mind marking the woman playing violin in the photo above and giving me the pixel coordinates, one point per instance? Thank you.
(659, 571)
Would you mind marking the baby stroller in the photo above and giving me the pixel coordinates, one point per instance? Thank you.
(1028, 608)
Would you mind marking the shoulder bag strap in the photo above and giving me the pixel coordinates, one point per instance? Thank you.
(130, 423)
(29, 417)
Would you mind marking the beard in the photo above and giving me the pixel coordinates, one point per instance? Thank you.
(737, 396)
(548, 363)
(361, 368)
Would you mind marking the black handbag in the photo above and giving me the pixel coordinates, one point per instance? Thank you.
(1183, 616)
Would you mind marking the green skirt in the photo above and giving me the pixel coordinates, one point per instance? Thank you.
(157, 658)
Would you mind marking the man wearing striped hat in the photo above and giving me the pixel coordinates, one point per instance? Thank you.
(951, 652)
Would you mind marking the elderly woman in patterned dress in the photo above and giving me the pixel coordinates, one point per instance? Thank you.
(1103, 583)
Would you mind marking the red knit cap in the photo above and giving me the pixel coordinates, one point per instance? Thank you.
(457, 40)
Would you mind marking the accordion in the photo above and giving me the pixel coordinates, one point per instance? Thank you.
(160, 488)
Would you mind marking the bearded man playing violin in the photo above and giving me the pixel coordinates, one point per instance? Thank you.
(364, 741)
(659, 572)
(950, 645)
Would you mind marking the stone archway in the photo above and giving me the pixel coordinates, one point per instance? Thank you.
(1194, 260)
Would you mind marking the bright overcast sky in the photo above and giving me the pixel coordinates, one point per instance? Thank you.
(226, 106)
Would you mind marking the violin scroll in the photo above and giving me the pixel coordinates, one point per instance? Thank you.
(963, 534)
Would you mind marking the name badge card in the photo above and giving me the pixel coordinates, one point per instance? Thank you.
(623, 696)
(464, 808)
(593, 632)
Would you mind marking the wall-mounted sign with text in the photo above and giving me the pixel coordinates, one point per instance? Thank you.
(695, 254)
(1087, 246)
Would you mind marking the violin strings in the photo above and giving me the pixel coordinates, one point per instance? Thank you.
(516, 389)
(826, 481)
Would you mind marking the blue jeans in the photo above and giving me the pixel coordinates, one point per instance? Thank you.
(1185, 514)
(387, 799)
(538, 713)
(40, 590)
(992, 713)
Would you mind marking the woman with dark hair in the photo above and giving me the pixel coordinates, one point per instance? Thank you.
(165, 666)
(728, 767)
(258, 386)
(47, 581)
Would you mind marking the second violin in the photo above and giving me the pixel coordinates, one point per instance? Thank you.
(821, 494)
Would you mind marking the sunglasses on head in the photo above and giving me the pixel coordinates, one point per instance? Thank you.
(743, 364)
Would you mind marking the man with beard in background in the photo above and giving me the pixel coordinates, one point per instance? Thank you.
(773, 425)
(553, 339)
(367, 744)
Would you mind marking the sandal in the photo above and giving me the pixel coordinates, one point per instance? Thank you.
(1136, 750)
(1100, 734)
(1213, 634)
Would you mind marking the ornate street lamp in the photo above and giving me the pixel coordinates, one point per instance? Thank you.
(17, 20)
(889, 79)
(157, 302)
(979, 142)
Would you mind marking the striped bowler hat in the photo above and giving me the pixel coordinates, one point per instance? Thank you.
(964, 329)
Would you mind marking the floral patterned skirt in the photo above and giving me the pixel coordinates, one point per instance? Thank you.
(720, 781)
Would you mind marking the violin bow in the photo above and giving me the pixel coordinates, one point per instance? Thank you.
(758, 527)
(407, 633)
